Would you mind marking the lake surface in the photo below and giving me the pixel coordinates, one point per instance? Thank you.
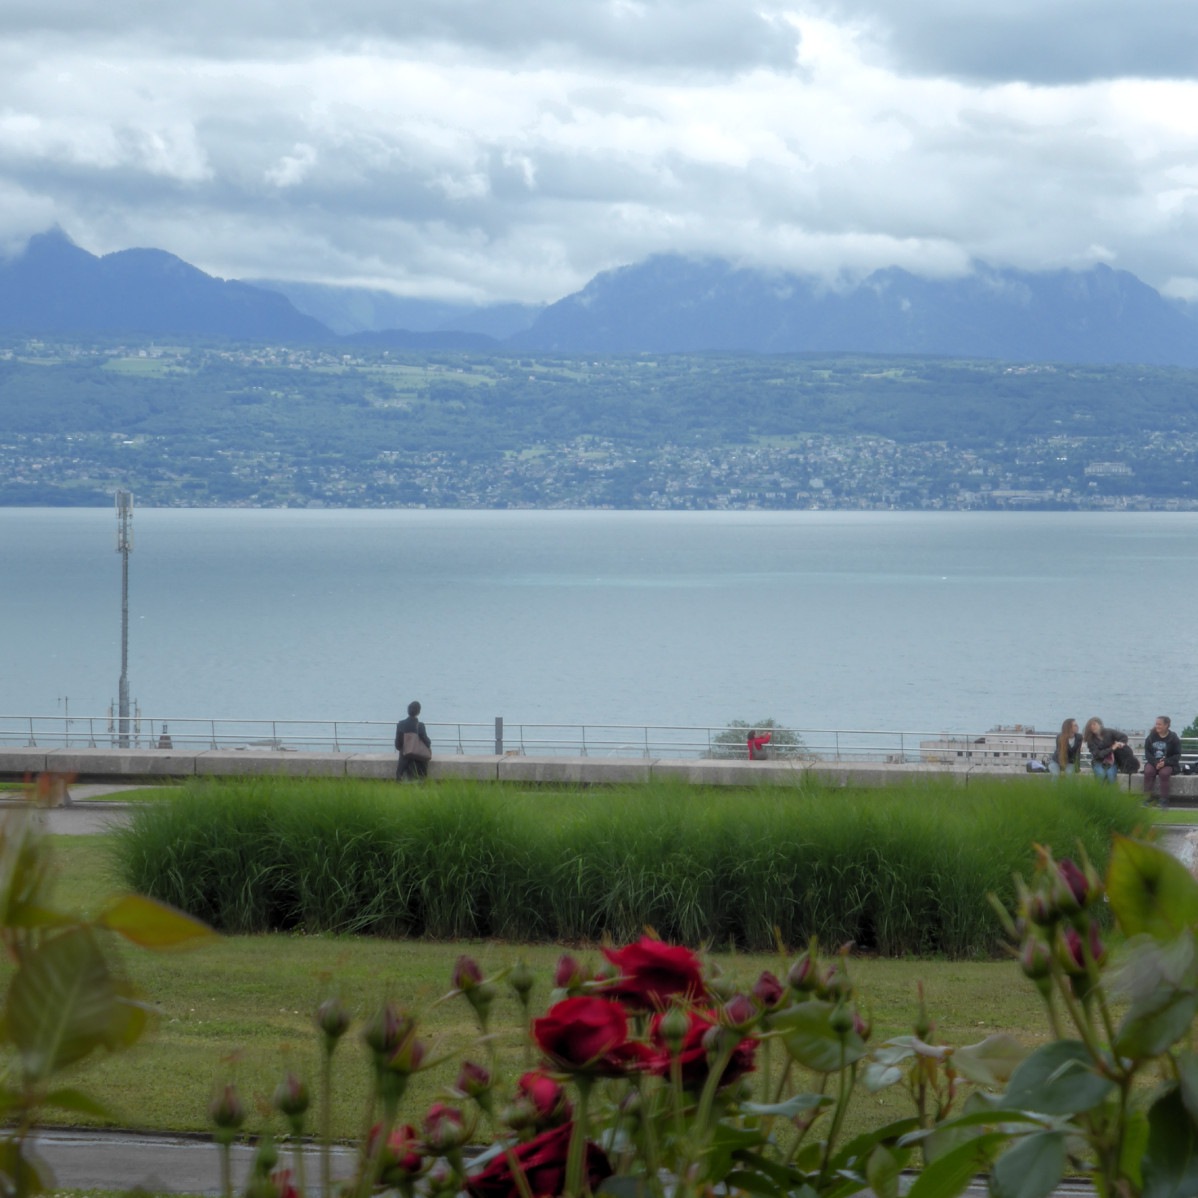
(920, 621)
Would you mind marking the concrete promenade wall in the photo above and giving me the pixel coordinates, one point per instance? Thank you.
(148, 765)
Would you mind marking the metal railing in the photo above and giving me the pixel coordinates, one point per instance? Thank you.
(996, 748)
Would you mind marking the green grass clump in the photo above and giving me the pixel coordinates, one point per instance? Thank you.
(903, 870)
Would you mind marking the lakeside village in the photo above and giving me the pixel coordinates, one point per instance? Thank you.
(1052, 470)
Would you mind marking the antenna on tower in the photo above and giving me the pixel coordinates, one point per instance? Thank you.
(124, 546)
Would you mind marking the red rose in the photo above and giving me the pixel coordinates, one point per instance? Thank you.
(543, 1162)
(693, 1054)
(586, 1034)
(651, 973)
(284, 1187)
(546, 1096)
(401, 1157)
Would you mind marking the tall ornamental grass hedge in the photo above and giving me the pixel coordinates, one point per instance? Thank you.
(899, 870)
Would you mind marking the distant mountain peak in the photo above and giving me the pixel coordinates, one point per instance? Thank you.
(679, 304)
(55, 287)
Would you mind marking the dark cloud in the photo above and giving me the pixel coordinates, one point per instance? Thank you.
(1048, 42)
(686, 35)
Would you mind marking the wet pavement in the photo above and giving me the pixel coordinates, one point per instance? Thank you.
(160, 1164)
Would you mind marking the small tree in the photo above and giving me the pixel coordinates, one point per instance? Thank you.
(732, 741)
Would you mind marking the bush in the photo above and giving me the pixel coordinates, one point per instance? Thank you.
(900, 870)
(731, 743)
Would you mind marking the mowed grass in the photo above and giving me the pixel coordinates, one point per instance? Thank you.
(902, 870)
(241, 1007)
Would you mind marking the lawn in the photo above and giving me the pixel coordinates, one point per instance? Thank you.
(242, 1007)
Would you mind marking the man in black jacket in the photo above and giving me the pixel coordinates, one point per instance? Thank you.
(413, 745)
(1162, 758)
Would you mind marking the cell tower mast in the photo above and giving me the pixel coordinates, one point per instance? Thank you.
(124, 546)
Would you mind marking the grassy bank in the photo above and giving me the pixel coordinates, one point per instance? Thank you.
(899, 871)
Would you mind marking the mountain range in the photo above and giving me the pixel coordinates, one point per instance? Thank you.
(664, 304)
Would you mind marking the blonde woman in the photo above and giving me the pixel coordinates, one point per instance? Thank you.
(1068, 747)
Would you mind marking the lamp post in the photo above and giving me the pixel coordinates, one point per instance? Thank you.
(124, 546)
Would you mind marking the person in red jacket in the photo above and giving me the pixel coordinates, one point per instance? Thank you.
(757, 744)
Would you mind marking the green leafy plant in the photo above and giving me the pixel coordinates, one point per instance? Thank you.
(67, 997)
(784, 743)
(1114, 1093)
(649, 1075)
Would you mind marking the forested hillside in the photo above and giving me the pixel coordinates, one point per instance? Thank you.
(210, 424)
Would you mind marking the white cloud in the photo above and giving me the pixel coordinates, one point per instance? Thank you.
(497, 150)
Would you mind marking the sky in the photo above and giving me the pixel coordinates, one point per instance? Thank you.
(493, 150)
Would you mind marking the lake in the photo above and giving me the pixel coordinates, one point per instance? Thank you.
(920, 621)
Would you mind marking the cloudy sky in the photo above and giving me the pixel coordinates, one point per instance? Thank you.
(510, 149)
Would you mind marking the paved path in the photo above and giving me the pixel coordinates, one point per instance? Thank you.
(99, 1160)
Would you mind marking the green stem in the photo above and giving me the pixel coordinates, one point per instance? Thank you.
(226, 1169)
(513, 1163)
(326, 1121)
(575, 1180)
(301, 1182)
(844, 1087)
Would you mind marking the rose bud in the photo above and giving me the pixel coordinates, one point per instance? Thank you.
(333, 1020)
(1072, 953)
(802, 977)
(1041, 909)
(444, 1128)
(714, 1040)
(739, 1013)
(443, 1179)
(387, 1030)
(400, 1158)
(291, 1097)
(1062, 895)
(1035, 959)
(466, 974)
(473, 1080)
(521, 981)
(841, 1019)
(226, 1110)
(547, 1098)
(672, 1028)
(568, 975)
(862, 1026)
(768, 992)
(1075, 880)
(519, 1114)
(408, 1057)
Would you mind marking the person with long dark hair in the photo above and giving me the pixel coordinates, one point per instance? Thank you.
(1103, 744)
(1067, 749)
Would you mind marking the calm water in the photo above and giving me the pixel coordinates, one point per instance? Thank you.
(817, 619)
